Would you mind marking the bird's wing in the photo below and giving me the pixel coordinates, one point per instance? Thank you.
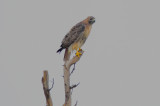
(73, 35)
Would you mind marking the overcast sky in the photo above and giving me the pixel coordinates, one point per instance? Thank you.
(120, 65)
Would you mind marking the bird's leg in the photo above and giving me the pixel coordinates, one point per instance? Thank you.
(78, 52)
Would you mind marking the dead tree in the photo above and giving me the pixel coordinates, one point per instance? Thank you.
(66, 68)
(67, 86)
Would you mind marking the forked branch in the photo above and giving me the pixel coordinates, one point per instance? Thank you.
(67, 86)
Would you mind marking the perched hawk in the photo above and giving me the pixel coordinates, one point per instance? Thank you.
(76, 37)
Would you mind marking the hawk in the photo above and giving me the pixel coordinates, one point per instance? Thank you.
(76, 37)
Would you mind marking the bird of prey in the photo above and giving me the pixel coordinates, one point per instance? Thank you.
(76, 37)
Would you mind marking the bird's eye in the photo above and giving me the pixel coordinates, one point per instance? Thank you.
(91, 19)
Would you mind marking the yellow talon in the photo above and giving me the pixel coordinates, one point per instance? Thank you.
(78, 52)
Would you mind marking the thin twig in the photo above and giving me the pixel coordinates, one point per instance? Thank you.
(52, 85)
(73, 68)
(74, 86)
(76, 103)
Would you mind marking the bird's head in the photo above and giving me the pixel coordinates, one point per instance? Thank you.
(91, 20)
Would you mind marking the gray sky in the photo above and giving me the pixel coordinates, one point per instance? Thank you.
(120, 66)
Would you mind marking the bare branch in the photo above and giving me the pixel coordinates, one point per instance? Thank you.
(67, 65)
(46, 90)
(52, 85)
(74, 86)
(73, 69)
(72, 61)
(76, 103)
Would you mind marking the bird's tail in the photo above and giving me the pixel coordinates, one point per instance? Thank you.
(67, 55)
(59, 50)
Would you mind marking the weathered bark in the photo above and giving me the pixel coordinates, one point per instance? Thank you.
(45, 81)
(67, 65)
